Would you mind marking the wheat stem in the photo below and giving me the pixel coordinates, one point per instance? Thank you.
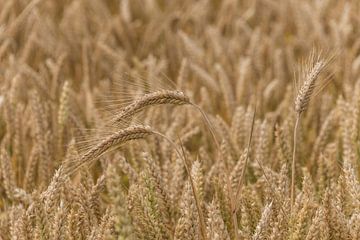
(208, 124)
(292, 194)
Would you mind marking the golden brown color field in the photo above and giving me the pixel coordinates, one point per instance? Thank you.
(161, 119)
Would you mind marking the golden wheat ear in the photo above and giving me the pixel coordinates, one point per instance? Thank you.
(311, 83)
(130, 95)
(127, 87)
(150, 99)
(112, 141)
(311, 79)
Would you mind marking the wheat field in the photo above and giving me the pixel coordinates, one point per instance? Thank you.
(180, 119)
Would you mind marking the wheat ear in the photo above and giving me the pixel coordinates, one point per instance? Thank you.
(301, 103)
(154, 98)
(119, 137)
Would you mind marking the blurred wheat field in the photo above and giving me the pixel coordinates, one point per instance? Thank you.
(155, 119)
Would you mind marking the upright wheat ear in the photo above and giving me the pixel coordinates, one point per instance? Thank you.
(307, 89)
(311, 75)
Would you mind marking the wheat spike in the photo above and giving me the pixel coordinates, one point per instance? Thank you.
(120, 137)
(310, 76)
(150, 99)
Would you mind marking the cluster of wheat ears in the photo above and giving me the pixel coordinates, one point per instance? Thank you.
(156, 119)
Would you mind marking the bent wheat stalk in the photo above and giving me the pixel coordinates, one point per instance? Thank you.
(196, 195)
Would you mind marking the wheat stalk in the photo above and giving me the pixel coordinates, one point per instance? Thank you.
(316, 66)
